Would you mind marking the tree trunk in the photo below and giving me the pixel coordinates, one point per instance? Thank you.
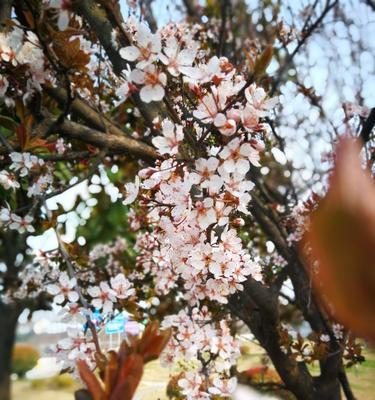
(327, 390)
(263, 323)
(295, 375)
(8, 323)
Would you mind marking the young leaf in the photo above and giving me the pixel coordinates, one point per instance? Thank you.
(129, 377)
(91, 380)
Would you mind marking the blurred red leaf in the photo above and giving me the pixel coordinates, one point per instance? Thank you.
(342, 239)
(263, 61)
(122, 371)
(129, 377)
(92, 382)
(152, 342)
(111, 373)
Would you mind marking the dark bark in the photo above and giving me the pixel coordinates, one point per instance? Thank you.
(259, 310)
(368, 126)
(5, 11)
(192, 9)
(327, 389)
(8, 323)
(119, 144)
(264, 325)
(262, 317)
(345, 384)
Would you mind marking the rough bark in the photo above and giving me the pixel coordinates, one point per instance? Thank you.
(254, 311)
(262, 318)
(8, 323)
(114, 143)
(258, 309)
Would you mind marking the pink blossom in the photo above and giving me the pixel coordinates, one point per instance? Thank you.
(103, 297)
(223, 387)
(21, 224)
(225, 125)
(176, 59)
(205, 213)
(257, 98)
(146, 50)
(172, 137)
(237, 156)
(122, 287)
(64, 290)
(153, 81)
(190, 383)
(132, 190)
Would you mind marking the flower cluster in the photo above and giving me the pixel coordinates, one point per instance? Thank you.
(80, 342)
(33, 277)
(22, 163)
(148, 55)
(19, 51)
(104, 295)
(76, 346)
(196, 336)
(10, 220)
(194, 207)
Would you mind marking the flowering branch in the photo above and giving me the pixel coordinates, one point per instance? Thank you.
(71, 271)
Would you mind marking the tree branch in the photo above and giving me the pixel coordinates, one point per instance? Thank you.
(116, 144)
(306, 33)
(192, 7)
(343, 378)
(295, 375)
(368, 126)
(149, 16)
(371, 4)
(5, 11)
(82, 110)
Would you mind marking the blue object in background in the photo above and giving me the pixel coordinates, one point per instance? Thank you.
(96, 319)
(116, 325)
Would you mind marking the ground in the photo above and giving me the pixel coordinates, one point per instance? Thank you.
(155, 378)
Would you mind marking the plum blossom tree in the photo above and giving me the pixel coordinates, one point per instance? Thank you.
(170, 130)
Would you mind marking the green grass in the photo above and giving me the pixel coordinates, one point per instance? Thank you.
(369, 363)
(362, 377)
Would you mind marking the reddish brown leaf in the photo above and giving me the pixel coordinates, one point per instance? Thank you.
(100, 358)
(38, 142)
(129, 377)
(92, 382)
(111, 372)
(156, 345)
(342, 238)
(21, 136)
(69, 52)
(263, 61)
